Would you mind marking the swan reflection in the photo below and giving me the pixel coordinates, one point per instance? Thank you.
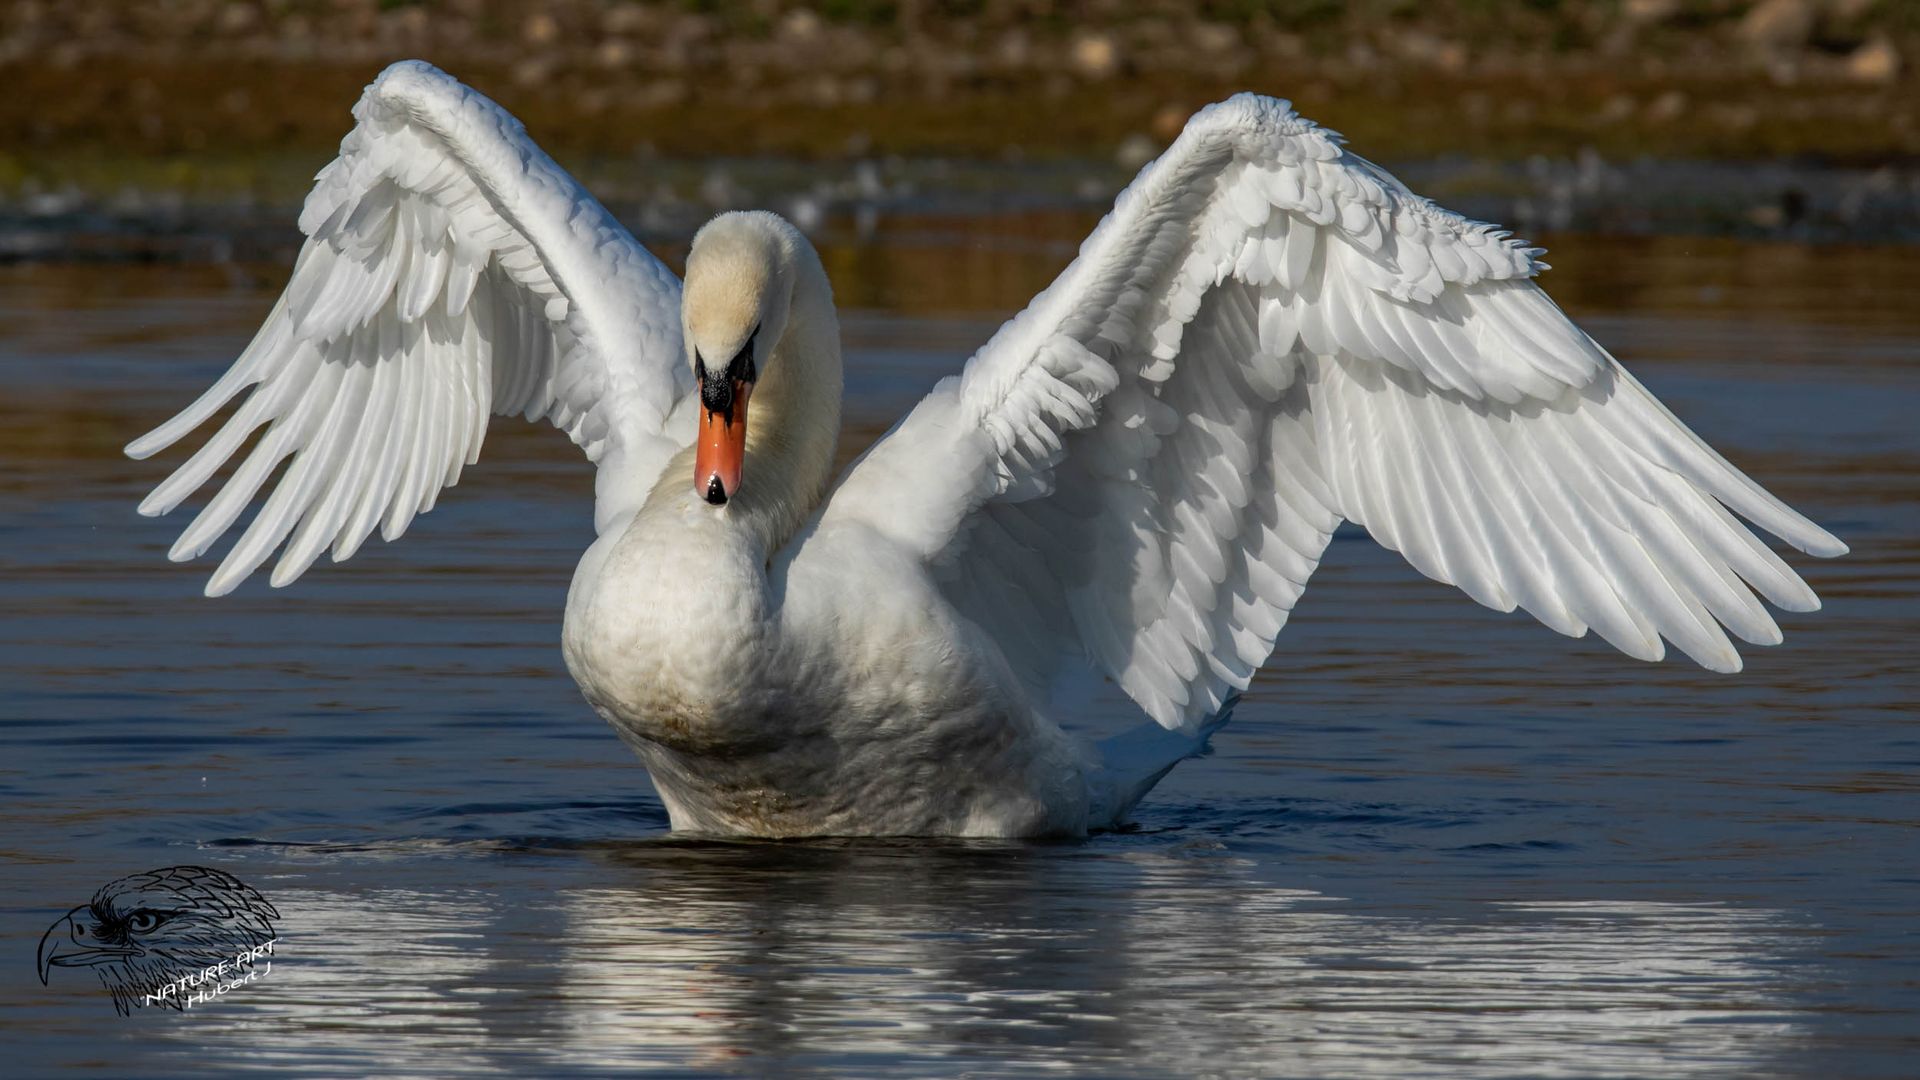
(728, 956)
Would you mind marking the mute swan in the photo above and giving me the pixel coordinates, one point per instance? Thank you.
(1134, 478)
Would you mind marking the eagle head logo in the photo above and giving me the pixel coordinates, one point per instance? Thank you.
(145, 931)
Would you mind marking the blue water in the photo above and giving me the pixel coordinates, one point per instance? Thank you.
(1435, 840)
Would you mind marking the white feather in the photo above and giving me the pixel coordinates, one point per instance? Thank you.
(1329, 346)
(439, 226)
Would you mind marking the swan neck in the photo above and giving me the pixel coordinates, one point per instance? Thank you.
(793, 425)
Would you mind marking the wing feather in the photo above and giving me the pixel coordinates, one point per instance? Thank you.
(451, 270)
(1266, 336)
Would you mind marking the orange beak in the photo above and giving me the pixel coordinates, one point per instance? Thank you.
(722, 447)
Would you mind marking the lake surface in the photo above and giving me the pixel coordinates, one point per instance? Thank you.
(1435, 841)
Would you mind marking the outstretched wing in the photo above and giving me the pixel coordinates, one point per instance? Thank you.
(1267, 335)
(451, 271)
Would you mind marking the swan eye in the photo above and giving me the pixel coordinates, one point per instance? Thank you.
(742, 368)
(141, 922)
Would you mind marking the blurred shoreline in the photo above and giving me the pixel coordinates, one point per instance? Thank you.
(1048, 204)
(174, 130)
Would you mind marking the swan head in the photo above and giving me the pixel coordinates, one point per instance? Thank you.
(733, 310)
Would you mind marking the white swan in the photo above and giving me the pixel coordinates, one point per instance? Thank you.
(1135, 477)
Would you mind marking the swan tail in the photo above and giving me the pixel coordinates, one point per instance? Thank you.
(1132, 762)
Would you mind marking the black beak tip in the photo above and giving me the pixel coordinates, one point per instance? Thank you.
(716, 492)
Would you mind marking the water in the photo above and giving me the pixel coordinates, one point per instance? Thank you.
(1435, 840)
